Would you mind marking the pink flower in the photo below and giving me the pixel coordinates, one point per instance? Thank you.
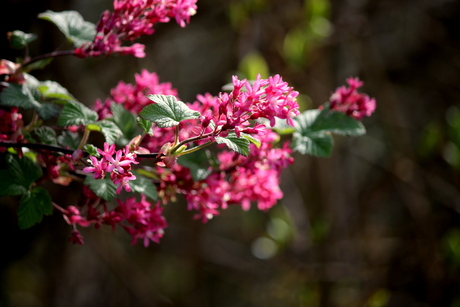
(131, 19)
(118, 167)
(144, 220)
(350, 102)
(262, 98)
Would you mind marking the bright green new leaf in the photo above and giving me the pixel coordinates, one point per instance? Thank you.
(167, 111)
(91, 150)
(75, 113)
(33, 206)
(104, 188)
(72, 25)
(239, 145)
(251, 139)
(146, 125)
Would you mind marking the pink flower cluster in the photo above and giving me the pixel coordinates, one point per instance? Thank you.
(133, 97)
(350, 102)
(238, 181)
(131, 19)
(118, 167)
(263, 98)
(138, 218)
(145, 222)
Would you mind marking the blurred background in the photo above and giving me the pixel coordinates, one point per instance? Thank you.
(377, 224)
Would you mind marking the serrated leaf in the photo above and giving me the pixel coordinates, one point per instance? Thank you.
(239, 145)
(126, 121)
(103, 188)
(19, 95)
(144, 186)
(69, 139)
(33, 206)
(91, 150)
(47, 111)
(167, 111)
(198, 164)
(9, 186)
(313, 129)
(72, 25)
(146, 125)
(23, 171)
(75, 113)
(252, 139)
(326, 120)
(46, 135)
(18, 39)
(315, 144)
(110, 130)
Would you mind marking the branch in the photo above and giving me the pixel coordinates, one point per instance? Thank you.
(61, 149)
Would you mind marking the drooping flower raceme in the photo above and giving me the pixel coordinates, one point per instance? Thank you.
(119, 166)
(131, 19)
(350, 102)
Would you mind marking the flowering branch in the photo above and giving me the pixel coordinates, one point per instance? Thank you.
(148, 120)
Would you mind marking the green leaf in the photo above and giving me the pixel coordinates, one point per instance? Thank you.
(20, 95)
(146, 125)
(198, 164)
(46, 135)
(239, 145)
(251, 139)
(33, 206)
(9, 186)
(316, 144)
(72, 25)
(18, 39)
(110, 130)
(40, 64)
(144, 186)
(47, 111)
(27, 96)
(332, 121)
(314, 128)
(23, 171)
(126, 121)
(53, 90)
(167, 111)
(75, 113)
(91, 150)
(103, 188)
(69, 138)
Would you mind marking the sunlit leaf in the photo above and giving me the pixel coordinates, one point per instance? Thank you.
(167, 111)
